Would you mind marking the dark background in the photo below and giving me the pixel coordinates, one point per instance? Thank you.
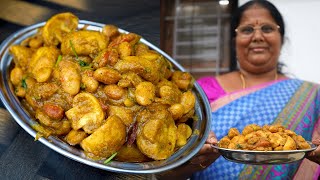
(20, 156)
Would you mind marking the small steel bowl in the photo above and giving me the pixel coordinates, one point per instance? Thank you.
(200, 127)
(264, 157)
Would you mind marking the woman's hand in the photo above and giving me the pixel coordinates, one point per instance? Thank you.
(207, 154)
(205, 157)
(315, 155)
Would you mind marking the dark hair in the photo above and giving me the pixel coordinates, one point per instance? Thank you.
(236, 17)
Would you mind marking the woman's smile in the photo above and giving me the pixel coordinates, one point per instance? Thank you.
(258, 49)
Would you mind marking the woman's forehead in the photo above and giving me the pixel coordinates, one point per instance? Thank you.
(256, 15)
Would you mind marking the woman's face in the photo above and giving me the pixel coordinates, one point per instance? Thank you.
(258, 51)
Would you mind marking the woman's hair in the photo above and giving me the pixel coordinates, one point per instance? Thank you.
(236, 17)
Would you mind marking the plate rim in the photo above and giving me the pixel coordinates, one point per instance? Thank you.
(313, 147)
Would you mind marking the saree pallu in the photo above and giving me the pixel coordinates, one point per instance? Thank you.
(292, 103)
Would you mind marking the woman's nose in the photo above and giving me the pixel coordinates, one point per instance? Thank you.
(257, 34)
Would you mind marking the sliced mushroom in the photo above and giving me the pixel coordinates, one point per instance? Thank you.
(86, 113)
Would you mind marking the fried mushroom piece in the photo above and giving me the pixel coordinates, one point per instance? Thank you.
(16, 76)
(44, 119)
(110, 31)
(169, 95)
(141, 49)
(290, 144)
(149, 69)
(107, 75)
(276, 140)
(106, 140)
(188, 100)
(42, 63)
(131, 38)
(233, 132)
(224, 142)
(125, 114)
(107, 57)
(183, 133)
(69, 76)
(40, 91)
(131, 154)
(301, 142)
(177, 111)
(86, 113)
(184, 80)
(114, 92)
(145, 93)
(75, 137)
(87, 43)
(157, 137)
(276, 128)
(89, 83)
(250, 128)
(130, 79)
(58, 26)
(21, 56)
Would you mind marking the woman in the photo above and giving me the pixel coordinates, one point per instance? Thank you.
(258, 93)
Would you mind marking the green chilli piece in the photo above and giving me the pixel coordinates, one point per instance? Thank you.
(74, 51)
(110, 158)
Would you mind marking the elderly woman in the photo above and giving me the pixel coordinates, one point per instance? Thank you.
(257, 93)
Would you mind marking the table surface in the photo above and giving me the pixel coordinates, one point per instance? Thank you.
(20, 156)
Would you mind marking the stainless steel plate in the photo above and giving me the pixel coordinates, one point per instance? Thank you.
(21, 116)
(264, 157)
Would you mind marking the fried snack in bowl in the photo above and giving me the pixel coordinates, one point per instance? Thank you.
(90, 91)
(266, 138)
(269, 144)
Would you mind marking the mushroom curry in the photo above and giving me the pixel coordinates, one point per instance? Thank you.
(103, 91)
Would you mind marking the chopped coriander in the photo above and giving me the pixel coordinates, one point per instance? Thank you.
(82, 63)
(192, 82)
(239, 146)
(110, 158)
(59, 59)
(88, 67)
(147, 70)
(82, 86)
(74, 51)
(24, 84)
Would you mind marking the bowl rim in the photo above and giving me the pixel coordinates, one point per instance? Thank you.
(11, 103)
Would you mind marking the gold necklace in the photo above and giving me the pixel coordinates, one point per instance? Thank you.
(244, 82)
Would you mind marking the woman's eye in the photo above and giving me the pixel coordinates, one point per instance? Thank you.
(267, 29)
(247, 30)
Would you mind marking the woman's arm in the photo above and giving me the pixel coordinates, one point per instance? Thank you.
(206, 156)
